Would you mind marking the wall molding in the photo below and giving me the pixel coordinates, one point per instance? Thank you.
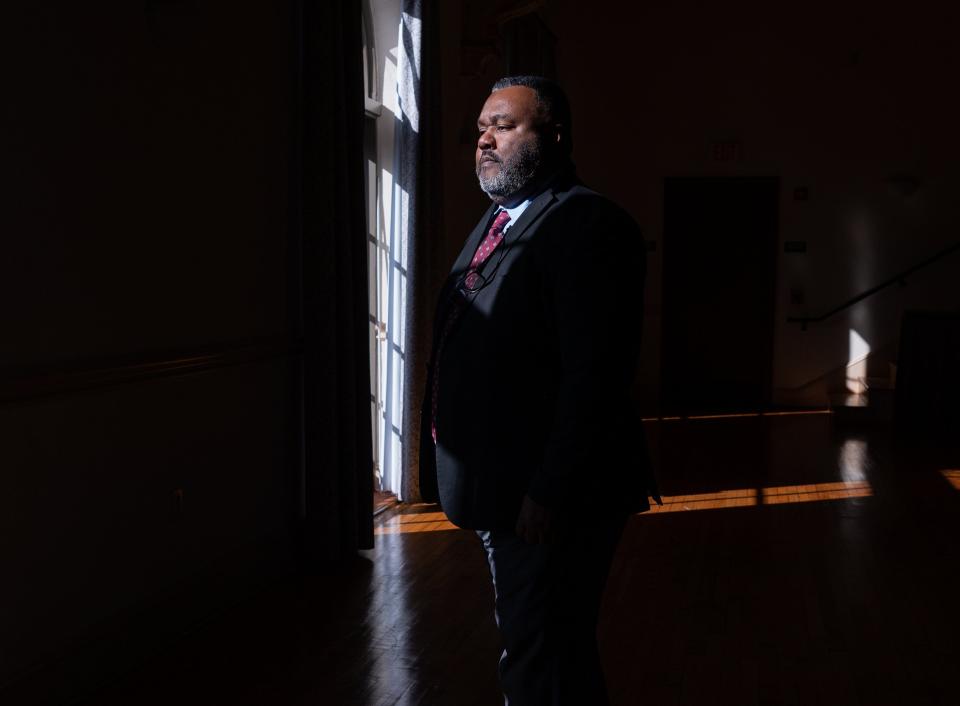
(56, 379)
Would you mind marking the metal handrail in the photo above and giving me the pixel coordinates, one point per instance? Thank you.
(896, 279)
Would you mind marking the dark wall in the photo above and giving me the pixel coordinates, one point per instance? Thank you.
(150, 157)
(149, 145)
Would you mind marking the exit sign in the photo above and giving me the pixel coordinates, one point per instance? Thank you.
(726, 151)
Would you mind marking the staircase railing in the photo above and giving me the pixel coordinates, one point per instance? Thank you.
(900, 279)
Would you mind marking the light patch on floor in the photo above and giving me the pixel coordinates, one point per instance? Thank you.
(414, 522)
(777, 495)
(720, 500)
(707, 501)
(952, 477)
(816, 491)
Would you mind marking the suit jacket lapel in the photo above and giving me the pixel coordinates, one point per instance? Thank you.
(518, 230)
(472, 243)
(514, 234)
(460, 266)
(529, 216)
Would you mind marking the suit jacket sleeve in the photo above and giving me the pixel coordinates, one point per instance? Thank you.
(594, 298)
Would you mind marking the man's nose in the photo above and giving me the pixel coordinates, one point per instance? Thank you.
(486, 141)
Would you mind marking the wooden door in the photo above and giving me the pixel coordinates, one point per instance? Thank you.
(719, 250)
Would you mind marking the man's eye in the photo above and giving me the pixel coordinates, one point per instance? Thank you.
(501, 128)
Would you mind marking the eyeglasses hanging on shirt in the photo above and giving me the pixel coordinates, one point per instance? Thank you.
(472, 281)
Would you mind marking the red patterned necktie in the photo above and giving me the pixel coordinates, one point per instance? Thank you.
(493, 238)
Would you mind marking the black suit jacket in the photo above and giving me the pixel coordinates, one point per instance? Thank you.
(535, 376)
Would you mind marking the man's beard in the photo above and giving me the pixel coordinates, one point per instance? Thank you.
(514, 174)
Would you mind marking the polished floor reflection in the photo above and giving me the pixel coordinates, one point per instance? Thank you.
(793, 563)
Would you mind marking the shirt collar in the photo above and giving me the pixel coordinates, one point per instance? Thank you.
(514, 212)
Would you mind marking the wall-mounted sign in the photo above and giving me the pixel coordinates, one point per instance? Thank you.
(726, 151)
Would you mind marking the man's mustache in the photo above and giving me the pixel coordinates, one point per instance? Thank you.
(490, 155)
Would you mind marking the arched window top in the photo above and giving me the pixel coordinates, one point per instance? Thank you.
(371, 76)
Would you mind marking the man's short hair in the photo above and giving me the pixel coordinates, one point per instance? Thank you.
(552, 101)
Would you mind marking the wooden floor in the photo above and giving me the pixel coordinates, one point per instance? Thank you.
(792, 564)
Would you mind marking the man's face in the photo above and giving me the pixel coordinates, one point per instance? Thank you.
(509, 151)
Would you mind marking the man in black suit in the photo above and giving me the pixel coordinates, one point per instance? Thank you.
(529, 434)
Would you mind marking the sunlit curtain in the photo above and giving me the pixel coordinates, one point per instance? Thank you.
(412, 278)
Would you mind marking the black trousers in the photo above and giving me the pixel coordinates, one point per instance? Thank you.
(547, 605)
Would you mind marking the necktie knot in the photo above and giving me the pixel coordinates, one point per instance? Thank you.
(490, 242)
(500, 222)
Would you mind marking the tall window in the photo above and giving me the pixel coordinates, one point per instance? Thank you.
(387, 275)
(374, 241)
